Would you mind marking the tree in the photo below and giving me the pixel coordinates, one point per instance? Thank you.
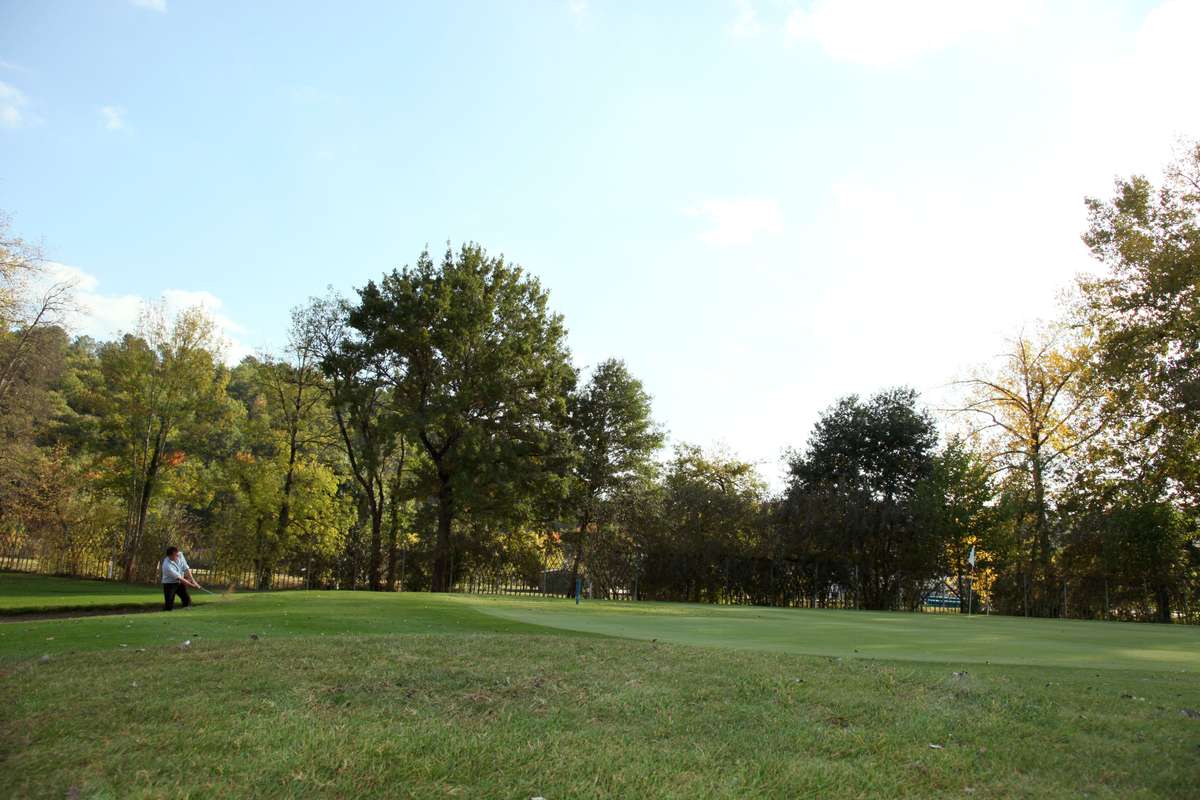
(704, 522)
(296, 395)
(1144, 314)
(1039, 406)
(865, 462)
(28, 305)
(367, 424)
(615, 440)
(478, 371)
(155, 386)
(956, 507)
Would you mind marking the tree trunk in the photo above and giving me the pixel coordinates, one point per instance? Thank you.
(376, 545)
(133, 541)
(263, 564)
(285, 504)
(1162, 599)
(393, 524)
(1042, 578)
(441, 553)
(583, 523)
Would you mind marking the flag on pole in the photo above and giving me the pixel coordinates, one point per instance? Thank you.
(971, 557)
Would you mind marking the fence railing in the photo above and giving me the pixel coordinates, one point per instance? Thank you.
(238, 577)
(610, 579)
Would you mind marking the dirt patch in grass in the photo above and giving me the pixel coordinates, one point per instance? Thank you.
(21, 615)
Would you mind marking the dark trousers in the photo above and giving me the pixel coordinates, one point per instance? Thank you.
(169, 592)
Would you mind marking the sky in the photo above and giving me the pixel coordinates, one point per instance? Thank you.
(760, 205)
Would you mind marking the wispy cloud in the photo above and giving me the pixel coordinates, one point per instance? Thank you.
(13, 103)
(738, 220)
(745, 25)
(153, 5)
(113, 118)
(12, 67)
(577, 7)
(105, 316)
(878, 32)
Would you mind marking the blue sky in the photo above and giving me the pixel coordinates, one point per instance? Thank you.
(761, 206)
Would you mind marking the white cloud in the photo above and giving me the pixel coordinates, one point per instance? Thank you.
(113, 118)
(738, 220)
(106, 316)
(931, 273)
(577, 7)
(1126, 111)
(745, 25)
(12, 106)
(153, 5)
(876, 32)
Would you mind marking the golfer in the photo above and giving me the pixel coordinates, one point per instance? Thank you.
(176, 578)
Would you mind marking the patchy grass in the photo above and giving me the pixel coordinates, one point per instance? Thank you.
(495, 715)
(366, 695)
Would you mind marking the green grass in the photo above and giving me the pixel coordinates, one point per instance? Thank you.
(29, 594)
(951, 638)
(361, 695)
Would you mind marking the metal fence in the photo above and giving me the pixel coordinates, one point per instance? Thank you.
(626, 577)
(605, 575)
(93, 566)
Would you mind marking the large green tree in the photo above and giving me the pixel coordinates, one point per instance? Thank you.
(156, 390)
(367, 424)
(866, 461)
(295, 393)
(1144, 313)
(478, 371)
(615, 440)
(698, 527)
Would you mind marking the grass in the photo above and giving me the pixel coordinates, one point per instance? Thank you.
(26, 594)
(949, 638)
(361, 695)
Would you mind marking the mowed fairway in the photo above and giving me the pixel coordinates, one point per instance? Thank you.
(413, 695)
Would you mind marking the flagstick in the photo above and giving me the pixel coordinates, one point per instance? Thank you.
(971, 592)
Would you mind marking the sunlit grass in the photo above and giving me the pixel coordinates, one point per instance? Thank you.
(342, 694)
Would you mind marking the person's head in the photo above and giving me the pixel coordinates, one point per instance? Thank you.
(173, 553)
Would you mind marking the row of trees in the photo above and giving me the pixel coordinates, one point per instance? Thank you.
(433, 428)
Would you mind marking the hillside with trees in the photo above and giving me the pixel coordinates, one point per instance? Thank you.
(432, 432)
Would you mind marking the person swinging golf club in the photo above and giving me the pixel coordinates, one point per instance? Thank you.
(176, 578)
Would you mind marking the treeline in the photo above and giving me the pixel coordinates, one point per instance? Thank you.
(433, 430)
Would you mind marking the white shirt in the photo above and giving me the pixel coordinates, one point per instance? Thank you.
(173, 572)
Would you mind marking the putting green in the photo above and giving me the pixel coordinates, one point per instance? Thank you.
(850, 634)
(865, 634)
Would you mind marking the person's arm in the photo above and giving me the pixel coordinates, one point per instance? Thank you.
(186, 572)
(195, 584)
